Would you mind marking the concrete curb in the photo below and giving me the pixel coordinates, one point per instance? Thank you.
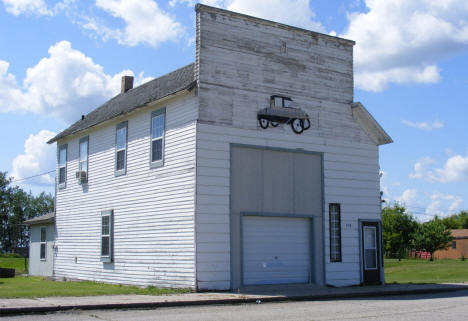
(148, 305)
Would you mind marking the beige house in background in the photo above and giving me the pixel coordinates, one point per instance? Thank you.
(458, 248)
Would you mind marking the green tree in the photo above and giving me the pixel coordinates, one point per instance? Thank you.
(432, 236)
(23, 207)
(456, 221)
(452, 222)
(16, 206)
(398, 228)
(6, 192)
(463, 219)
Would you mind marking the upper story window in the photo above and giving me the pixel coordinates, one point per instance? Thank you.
(157, 137)
(62, 164)
(83, 161)
(121, 148)
(280, 101)
(43, 243)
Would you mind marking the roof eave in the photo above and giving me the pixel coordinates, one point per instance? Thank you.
(370, 125)
(186, 89)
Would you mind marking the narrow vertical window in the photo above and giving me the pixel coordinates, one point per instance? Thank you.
(335, 232)
(121, 148)
(43, 243)
(83, 165)
(157, 137)
(106, 236)
(62, 164)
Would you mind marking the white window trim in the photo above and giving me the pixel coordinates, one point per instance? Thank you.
(64, 184)
(43, 243)
(122, 171)
(160, 162)
(108, 258)
(87, 157)
(374, 229)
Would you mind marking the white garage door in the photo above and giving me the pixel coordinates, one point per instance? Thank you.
(275, 250)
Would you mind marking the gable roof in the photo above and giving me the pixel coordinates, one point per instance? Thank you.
(43, 219)
(169, 84)
(370, 125)
(460, 233)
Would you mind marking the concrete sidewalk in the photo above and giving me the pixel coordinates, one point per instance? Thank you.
(247, 295)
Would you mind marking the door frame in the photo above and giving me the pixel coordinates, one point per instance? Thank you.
(379, 249)
(312, 276)
(322, 269)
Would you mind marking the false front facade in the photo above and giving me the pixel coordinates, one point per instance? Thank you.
(253, 165)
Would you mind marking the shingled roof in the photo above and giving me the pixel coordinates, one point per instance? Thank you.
(171, 83)
(43, 219)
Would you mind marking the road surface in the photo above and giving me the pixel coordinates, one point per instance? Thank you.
(429, 307)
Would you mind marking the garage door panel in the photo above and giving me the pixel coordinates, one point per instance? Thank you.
(276, 250)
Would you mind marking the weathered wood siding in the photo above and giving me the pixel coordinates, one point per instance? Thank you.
(153, 208)
(350, 178)
(241, 63)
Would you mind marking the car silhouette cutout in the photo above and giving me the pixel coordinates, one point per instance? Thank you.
(281, 112)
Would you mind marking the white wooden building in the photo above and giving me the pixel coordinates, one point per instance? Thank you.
(176, 183)
(41, 245)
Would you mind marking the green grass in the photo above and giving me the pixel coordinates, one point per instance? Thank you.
(16, 263)
(34, 287)
(425, 271)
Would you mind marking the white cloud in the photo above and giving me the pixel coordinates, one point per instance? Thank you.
(38, 157)
(444, 204)
(401, 41)
(436, 124)
(66, 84)
(292, 12)
(145, 23)
(17, 7)
(408, 198)
(454, 170)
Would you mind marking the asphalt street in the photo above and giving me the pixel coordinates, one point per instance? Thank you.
(429, 307)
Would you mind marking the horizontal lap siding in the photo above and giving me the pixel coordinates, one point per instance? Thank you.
(241, 64)
(153, 208)
(347, 180)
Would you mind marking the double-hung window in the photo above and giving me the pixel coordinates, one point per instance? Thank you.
(157, 137)
(83, 164)
(62, 164)
(43, 243)
(335, 232)
(107, 235)
(121, 148)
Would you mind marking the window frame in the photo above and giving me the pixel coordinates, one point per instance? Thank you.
(64, 184)
(110, 257)
(283, 99)
(154, 114)
(374, 231)
(335, 257)
(123, 171)
(43, 243)
(83, 139)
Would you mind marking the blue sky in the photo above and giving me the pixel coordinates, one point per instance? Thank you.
(60, 59)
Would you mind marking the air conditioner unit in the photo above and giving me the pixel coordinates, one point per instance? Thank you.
(81, 176)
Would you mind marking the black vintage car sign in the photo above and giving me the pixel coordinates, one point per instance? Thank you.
(280, 112)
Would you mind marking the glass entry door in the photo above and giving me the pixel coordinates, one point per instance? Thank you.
(371, 252)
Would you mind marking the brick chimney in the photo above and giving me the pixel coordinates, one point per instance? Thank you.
(127, 83)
